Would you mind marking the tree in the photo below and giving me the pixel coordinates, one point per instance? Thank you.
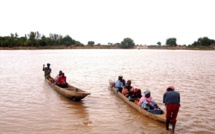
(56, 39)
(205, 41)
(31, 41)
(67, 40)
(21, 41)
(91, 43)
(42, 42)
(8, 41)
(127, 43)
(16, 35)
(159, 43)
(48, 41)
(78, 43)
(171, 42)
(38, 35)
(36, 39)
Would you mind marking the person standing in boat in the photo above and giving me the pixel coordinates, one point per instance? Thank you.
(61, 81)
(119, 84)
(171, 99)
(47, 70)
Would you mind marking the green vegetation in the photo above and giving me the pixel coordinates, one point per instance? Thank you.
(171, 42)
(127, 43)
(201, 42)
(205, 41)
(91, 43)
(159, 43)
(34, 40)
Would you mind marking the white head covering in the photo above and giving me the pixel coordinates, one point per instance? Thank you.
(146, 92)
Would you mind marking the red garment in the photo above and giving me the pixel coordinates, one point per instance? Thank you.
(172, 112)
(61, 80)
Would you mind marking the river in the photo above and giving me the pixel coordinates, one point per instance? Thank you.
(29, 105)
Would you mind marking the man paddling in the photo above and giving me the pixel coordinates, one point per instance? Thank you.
(47, 70)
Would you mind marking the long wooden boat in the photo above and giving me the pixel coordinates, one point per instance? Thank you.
(71, 92)
(158, 117)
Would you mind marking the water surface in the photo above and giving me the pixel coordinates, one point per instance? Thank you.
(29, 105)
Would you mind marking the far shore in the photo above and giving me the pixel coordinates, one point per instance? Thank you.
(107, 47)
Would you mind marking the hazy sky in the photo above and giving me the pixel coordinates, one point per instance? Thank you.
(103, 21)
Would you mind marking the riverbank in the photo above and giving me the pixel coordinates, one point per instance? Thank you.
(107, 47)
(58, 47)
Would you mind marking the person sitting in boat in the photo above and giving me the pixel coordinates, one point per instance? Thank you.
(146, 102)
(123, 82)
(119, 84)
(135, 95)
(47, 70)
(61, 81)
(128, 89)
(60, 74)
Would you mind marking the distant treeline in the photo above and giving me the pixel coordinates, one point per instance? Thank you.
(203, 41)
(35, 39)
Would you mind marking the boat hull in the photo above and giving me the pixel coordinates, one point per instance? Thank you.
(71, 92)
(157, 117)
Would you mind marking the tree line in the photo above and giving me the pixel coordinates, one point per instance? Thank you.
(202, 41)
(35, 39)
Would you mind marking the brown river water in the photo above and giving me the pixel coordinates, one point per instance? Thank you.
(28, 105)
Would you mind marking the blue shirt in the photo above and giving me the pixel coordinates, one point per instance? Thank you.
(171, 97)
(118, 84)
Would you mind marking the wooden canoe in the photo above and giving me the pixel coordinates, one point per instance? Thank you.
(71, 92)
(158, 117)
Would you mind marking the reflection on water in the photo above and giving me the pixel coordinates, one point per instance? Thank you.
(30, 105)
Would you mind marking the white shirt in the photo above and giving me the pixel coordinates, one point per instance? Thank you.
(118, 84)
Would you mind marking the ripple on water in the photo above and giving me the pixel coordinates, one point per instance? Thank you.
(29, 105)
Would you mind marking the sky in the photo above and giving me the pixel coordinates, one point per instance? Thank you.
(146, 22)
